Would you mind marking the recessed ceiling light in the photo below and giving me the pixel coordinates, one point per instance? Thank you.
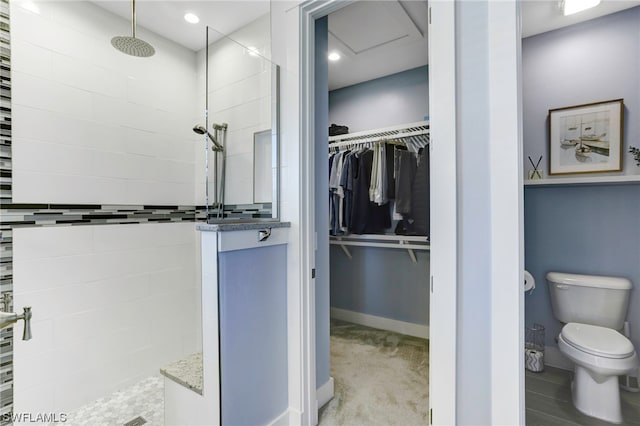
(334, 56)
(191, 18)
(569, 7)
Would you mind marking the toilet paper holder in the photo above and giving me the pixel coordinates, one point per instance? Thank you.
(529, 281)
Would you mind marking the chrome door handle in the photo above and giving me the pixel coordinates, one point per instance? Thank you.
(264, 234)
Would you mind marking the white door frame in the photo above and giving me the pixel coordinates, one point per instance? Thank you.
(442, 375)
(309, 12)
(443, 305)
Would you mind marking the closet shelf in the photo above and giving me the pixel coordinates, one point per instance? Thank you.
(589, 180)
(405, 242)
(387, 133)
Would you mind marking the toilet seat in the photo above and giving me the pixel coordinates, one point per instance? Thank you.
(598, 341)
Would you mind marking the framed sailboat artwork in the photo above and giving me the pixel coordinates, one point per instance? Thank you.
(586, 138)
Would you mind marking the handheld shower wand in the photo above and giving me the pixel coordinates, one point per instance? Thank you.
(201, 131)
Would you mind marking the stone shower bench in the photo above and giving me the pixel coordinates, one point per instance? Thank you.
(186, 372)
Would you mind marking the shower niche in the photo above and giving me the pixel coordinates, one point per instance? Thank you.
(239, 126)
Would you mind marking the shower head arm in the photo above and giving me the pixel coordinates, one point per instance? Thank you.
(133, 18)
(216, 146)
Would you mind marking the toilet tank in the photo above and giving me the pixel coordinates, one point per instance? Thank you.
(589, 299)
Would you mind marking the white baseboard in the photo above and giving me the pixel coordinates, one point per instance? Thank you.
(285, 419)
(324, 393)
(382, 323)
(554, 358)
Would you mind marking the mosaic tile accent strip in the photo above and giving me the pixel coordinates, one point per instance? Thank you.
(33, 215)
(251, 211)
(30, 215)
(6, 246)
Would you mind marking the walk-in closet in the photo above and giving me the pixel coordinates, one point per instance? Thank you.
(372, 214)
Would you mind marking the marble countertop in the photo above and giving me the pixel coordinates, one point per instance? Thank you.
(187, 372)
(234, 225)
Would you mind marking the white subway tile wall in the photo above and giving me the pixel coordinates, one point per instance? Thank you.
(92, 125)
(111, 305)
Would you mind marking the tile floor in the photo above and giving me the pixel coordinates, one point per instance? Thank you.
(145, 399)
(548, 400)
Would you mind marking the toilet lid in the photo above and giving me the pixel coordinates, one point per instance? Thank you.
(600, 341)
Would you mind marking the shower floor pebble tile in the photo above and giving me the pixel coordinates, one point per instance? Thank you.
(144, 399)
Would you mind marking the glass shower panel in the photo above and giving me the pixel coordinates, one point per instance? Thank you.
(241, 108)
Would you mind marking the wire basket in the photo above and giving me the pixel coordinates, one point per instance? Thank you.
(534, 348)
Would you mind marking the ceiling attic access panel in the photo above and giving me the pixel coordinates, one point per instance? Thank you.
(394, 40)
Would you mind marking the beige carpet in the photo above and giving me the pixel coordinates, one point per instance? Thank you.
(381, 378)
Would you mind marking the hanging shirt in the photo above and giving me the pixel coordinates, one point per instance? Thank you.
(404, 170)
(367, 217)
(420, 197)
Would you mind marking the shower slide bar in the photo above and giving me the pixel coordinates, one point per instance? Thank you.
(405, 242)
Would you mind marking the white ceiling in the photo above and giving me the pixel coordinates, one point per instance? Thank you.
(375, 38)
(167, 17)
(539, 16)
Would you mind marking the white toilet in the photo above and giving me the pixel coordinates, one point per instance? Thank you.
(593, 309)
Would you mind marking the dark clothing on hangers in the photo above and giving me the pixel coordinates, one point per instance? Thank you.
(367, 217)
(420, 196)
(349, 168)
(335, 200)
(405, 170)
(412, 192)
(391, 181)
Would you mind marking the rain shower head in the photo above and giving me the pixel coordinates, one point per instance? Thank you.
(202, 131)
(131, 45)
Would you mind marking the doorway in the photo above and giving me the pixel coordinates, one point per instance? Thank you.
(373, 264)
(454, 376)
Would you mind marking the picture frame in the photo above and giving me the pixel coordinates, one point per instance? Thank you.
(586, 138)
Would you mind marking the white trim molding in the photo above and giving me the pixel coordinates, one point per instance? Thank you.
(325, 392)
(287, 418)
(443, 299)
(507, 218)
(309, 11)
(382, 323)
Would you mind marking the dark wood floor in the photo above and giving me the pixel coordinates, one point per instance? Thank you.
(549, 401)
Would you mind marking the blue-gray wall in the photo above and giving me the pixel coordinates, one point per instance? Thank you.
(594, 61)
(253, 335)
(592, 229)
(386, 101)
(587, 229)
(381, 282)
(322, 207)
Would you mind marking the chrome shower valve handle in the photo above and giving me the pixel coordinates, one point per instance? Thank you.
(8, 318)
